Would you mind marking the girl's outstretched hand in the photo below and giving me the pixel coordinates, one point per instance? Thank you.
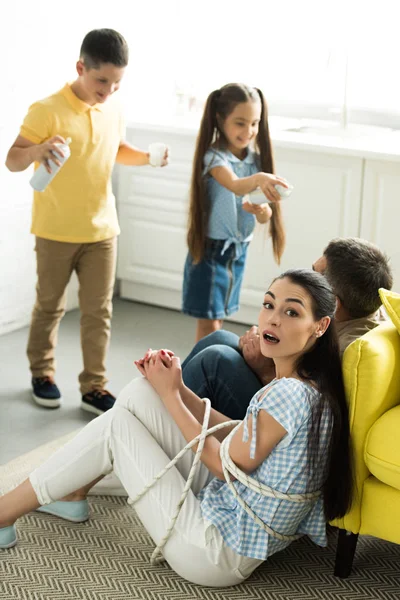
(267, 183)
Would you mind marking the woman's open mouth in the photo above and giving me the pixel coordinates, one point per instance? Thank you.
(270, 338)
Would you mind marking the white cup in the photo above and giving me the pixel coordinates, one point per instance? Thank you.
(284, 192)
(157, 153)
(257, 197)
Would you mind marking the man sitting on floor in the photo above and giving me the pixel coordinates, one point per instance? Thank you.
(229, 370)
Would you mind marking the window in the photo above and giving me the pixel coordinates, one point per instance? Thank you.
(310, 57)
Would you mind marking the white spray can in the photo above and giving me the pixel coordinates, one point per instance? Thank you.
(41, 177)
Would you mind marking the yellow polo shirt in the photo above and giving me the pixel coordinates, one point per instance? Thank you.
(78, 205)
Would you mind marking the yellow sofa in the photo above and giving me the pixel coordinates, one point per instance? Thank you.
(371, 368)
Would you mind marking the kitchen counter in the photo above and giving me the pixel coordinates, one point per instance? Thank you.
(361, 141)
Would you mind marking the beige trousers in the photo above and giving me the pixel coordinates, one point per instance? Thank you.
(94, 264)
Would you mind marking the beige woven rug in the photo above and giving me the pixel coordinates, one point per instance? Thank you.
(107, 558)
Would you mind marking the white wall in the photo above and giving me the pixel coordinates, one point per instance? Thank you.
(17, 260)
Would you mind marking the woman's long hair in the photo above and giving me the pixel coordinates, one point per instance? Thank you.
(322, 366)
(221, 103)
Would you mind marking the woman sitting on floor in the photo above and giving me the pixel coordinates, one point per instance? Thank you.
(294, 441)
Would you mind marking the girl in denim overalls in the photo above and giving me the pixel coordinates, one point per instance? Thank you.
(233, 157)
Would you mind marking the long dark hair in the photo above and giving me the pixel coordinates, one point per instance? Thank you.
(221, 103)
(322, 365)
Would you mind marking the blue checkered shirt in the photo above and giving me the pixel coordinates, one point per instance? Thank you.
(289, 401)
(227, 219)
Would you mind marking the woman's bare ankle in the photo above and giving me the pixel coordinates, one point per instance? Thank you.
(74, 497)
(82, 493)
(6, 523)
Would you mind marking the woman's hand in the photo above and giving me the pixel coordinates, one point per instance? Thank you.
(267, 182)
(262, 212)
(164, 373)
(149, 354)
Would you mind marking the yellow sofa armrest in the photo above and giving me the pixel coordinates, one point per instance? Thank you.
(371, 367)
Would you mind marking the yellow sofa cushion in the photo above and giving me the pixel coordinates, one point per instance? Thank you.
(391, 302)
(382, 448)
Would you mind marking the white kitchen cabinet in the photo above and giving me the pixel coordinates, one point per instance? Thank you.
(380, 215)
(325, 203)
(153, 205)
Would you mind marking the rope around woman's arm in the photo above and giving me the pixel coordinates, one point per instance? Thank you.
(229, 468)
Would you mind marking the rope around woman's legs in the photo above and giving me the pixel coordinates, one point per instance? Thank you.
(200, 439)
(229, 469)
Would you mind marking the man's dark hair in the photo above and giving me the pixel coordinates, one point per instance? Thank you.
(356, 269)
(102, 46)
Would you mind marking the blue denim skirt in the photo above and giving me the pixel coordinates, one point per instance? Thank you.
(211, 289)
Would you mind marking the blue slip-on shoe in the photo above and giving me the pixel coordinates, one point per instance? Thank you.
(76, 511)
(8, 537)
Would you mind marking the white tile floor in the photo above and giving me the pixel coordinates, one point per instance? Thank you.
(135, 327)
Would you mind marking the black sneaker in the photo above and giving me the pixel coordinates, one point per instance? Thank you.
(45, 392)
(97, 401)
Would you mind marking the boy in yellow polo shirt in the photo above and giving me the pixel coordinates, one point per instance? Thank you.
(74, 219)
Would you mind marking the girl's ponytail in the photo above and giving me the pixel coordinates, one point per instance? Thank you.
(263, 141)
(199, 207)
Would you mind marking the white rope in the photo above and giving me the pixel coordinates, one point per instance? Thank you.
(200, 439)
(229, 468)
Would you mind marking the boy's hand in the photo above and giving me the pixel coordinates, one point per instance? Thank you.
(47, 151)
(165, 158)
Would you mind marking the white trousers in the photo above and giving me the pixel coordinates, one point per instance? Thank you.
(136, 439)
